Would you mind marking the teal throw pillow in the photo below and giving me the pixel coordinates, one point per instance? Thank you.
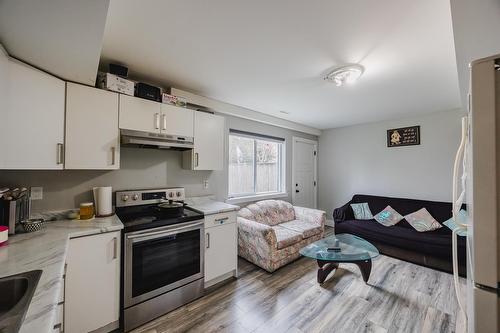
(388, 217)
(462, 218)
(362, 211)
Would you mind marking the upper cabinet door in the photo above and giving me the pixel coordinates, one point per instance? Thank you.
(139, 114)
(209, 133)
(92, 134)
(33, 133)
(177, 121)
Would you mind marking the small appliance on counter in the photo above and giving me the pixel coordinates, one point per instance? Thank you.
(14, 208)
(163, 253)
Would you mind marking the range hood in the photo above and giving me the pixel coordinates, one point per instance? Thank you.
(142, 139)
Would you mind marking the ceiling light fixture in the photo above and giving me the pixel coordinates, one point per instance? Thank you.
(345, 74)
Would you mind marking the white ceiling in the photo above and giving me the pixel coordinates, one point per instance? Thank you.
(269, 55)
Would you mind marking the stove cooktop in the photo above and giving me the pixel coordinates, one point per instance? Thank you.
(143, 217)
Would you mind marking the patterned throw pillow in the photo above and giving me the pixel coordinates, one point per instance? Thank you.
(422, 221)
(362, 211)
(462, 218)
(388, 217)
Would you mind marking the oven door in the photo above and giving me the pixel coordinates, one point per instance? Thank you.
(161, 259)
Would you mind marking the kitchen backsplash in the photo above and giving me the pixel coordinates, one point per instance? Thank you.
(140, 168)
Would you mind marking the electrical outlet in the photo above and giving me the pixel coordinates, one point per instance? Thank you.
(205, 184)
(36, 193)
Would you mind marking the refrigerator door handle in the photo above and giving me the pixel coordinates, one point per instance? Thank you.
(458, 158)
(454, 245)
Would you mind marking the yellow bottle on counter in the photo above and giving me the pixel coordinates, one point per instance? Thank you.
(86, 210)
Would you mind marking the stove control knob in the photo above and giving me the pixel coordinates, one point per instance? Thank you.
(171, 195)
(124, 197)
(179, 194)
(135, 197)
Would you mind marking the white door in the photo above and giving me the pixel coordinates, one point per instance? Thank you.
(208, 141)
(92, 134)
(220, 247)
(177, 121)
(139, 114)
(33, 133)
(92, 297)
(304, 182)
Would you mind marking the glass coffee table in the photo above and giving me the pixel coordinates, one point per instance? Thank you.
(343, 248)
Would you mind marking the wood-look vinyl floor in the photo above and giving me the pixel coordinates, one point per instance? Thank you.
(399, 297)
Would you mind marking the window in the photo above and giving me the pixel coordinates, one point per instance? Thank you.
(256, 164)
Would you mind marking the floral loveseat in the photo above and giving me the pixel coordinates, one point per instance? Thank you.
(271, 232)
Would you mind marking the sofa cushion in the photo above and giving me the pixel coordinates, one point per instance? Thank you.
(388, 217)
(433, 243)
(270, 212)
(422, 221)
(362, 211)
(452, 225)
(304, 228)
(285, 237)
(441, 211)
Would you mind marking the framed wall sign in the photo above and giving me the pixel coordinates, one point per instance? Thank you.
(404, 136)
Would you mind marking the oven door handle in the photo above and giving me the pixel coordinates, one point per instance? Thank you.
(164, 232)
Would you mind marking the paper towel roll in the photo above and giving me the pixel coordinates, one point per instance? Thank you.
(103, 200)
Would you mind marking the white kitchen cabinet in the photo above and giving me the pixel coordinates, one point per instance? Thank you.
(221, 252)
(92, 134)
(92, 298)
(208, 152)
(32, 118)
(139, 114)
(177, 121)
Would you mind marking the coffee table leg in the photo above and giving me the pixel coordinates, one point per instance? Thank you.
(365, 267)
(325, 268)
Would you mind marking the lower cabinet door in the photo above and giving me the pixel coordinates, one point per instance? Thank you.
(92, 297)
(220, 250)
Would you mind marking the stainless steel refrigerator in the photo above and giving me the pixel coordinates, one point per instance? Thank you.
(477, 183)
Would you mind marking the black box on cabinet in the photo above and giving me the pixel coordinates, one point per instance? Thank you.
(147, 91)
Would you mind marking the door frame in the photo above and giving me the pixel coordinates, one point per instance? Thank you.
(296, 139)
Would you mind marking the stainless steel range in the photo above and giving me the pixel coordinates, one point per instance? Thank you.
(163, 253)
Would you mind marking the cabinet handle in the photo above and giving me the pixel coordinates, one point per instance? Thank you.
(208, 240)
(196, 158)
(60, 153)
(157, 120)
(113, 155)
(164, 120)
(222, 219)
(58, 327)
(115, 248)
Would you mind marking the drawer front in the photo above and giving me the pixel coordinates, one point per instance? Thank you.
(220, 219)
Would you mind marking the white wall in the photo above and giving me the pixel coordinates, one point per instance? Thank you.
(357, 160)
(476, 28)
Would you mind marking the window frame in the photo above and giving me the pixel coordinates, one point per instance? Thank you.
(281, 161)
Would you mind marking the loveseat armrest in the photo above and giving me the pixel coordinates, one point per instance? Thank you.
(343, 213)
(252, 231)
(309, 215)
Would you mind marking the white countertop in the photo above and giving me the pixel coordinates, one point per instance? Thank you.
(46, 250)
(209, 206)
